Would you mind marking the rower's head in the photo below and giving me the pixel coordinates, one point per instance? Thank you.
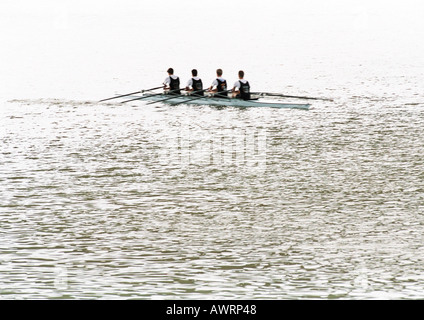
(170, 71)
(219, 72)
(194, 72)
(241, 74)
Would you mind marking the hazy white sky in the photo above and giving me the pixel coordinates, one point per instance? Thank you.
(24, 20)
(103, 6)
(90, 37)
(388, 12)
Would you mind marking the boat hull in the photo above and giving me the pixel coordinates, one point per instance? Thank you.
(214, 101)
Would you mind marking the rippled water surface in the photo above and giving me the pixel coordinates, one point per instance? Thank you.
(122, 201)
(127, 201)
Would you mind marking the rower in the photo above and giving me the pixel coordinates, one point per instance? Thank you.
(241, 89)
(172, 83)
(195, 85)
(219, 84)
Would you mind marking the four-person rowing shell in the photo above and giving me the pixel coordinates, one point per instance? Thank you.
(240, 94)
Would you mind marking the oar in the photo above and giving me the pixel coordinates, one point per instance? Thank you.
(148, 96)
(151, 89)
(128, 94)
(173, 97)
(201, 97)
(287, 96)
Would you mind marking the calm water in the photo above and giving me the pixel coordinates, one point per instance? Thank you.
(194, 202)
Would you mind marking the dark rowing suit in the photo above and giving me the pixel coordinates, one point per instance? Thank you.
(222, 86)
(174, 85)
(197, 85)
(244, 91)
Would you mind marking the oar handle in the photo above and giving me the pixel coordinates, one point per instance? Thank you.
(198, 91)
(161, 100)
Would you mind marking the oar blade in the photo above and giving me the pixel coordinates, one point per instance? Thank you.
(270, 94)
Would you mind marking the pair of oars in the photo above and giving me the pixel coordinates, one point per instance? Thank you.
(193, 93)
(158, 94)
(260, 93)
(200, 97)
(148, 96)
(203, 97)
(151, 95)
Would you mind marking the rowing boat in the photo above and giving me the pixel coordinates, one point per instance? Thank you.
(216, 101)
